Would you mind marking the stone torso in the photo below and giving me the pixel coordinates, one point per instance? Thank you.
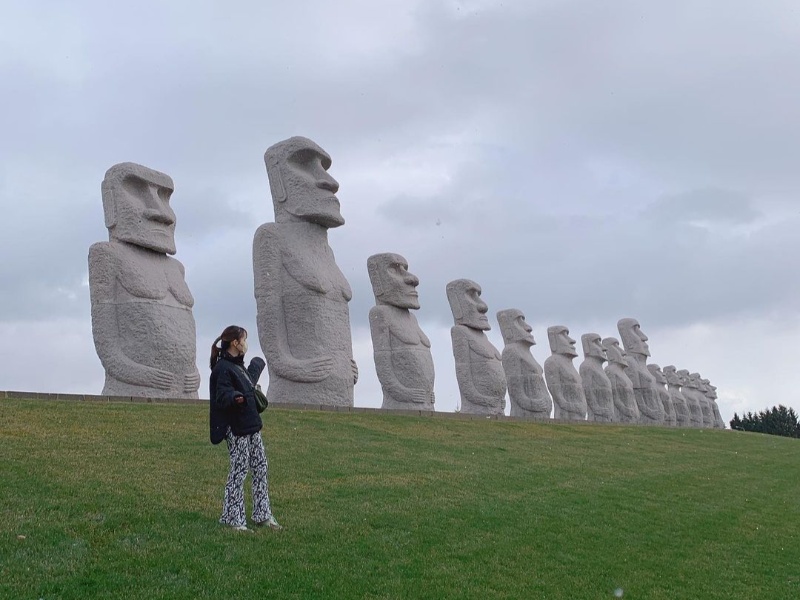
(598, 391)
(682, 416)
(527, 390)
(625, 406)
(153, 309)
(566, 387)
(481, 369)
(408, 361)
(645, 389)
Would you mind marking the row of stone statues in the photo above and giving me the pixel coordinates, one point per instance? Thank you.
(145, 335)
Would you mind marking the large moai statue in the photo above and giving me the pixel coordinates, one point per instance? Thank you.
(402, 351)
(670, 418)
(479, 366)
(527, 390)
(563, 379)
(705, 404)
(301, 295)
(711, 393)
(596, 384)
(142, 321)
(625, 408)
(689, 391)
(683, 417)
(645, 387)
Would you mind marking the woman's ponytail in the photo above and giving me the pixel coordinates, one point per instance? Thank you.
(215, 350)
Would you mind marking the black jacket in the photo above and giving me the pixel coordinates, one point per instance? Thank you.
(227, 382)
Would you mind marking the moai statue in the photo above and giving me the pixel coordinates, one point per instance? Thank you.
(670, 418)
(711, 393)
(142, 321)
(645, 388)
(689, 391)
(705, 405)
(301, 295)
(563, 379)
(479, 367)
(596, 384)
(683, 417)
(402, 351)
(526, 387)
(625, 408)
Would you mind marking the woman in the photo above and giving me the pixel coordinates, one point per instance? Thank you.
(235, 419)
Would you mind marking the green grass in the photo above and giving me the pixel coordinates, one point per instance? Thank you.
(122, 501)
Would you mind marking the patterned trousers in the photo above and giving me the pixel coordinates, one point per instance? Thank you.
(246, 451)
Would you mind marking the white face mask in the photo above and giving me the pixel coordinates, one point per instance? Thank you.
(243, 347)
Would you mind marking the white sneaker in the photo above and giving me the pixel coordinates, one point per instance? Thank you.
(271, 523)
(240, 528)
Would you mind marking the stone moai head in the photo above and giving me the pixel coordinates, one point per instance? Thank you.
(671, 375)
(560, 342)
(593, 346)
(468, 309)
(633, 338)
(656, 371)
(514, 328)
(695, 379)
(712, 390)
(302, 189)
(614, 352)
(391, 282)
(136, 207)
(686, 381)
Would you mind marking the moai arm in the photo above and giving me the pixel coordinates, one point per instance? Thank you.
(191, 381)
(382, 351)
(102, 277)
(559, 386)
(268, 269)
(462, 352)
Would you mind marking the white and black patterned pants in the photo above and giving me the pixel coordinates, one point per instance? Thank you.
(246, 451)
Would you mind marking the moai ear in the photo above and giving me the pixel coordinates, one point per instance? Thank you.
(375, 278)
(276, 179)
(109, 206)
(454, 297)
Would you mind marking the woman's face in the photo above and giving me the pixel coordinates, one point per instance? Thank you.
(241, 344)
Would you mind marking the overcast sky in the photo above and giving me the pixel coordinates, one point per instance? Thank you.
(582, 161)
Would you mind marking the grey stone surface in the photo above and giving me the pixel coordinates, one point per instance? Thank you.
(690, 394)
(479, 367)
(563, 379)
(596, 384)
(625, 408)
(645, 388)
(670, 418)
(401, 350)
(710, 392)
(301, 295)
(683, 417)
(705, 404)
(527, 390)
(142, 321)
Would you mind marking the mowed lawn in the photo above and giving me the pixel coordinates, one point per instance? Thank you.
(105, 500)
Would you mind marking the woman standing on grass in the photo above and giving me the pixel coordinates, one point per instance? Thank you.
(234, 418)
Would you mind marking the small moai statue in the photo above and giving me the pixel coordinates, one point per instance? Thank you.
(479, 366)
(596, 384)
(301, 294)
(563, 379)
(705, 404)
(527, 390)
(711, 394)
(683, 417)
(670, 418)
(689, 391)
(645, 388)
(626, 410)
(401, 350)
(142, 322)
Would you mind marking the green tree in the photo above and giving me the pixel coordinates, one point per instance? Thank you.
(778, 420)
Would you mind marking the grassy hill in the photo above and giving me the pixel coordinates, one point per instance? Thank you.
(122, 501)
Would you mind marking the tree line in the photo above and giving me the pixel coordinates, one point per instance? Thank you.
(777, 420)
